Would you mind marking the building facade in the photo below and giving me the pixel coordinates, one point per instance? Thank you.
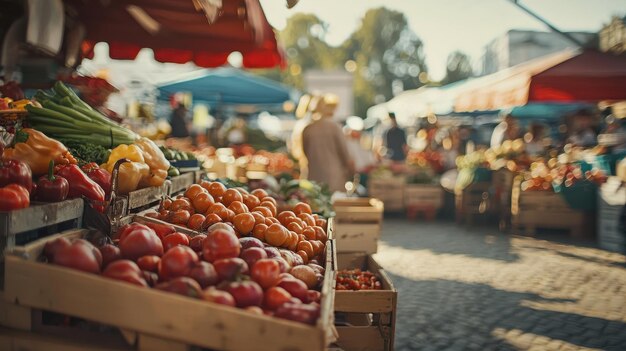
(613, 36)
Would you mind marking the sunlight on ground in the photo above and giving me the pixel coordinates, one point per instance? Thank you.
(539, 265)
(512, 337)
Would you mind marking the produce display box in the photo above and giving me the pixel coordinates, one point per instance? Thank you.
(472, 201)
(40, 219)
(357, 224)
(176, 323)
(423, 198)
(141, 199)
(611, 202)
(389, 190)
(546, 209)
(371, 314)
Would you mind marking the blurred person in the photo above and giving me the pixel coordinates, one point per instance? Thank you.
(236, 134)
(535, 145)
(180, 121)
(324, 147)
(508, 129)
(583, 134)
(306, 106)
(362, 158)
(395, 141)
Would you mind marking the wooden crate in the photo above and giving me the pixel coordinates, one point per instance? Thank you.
(357, 224)
(545, 209)
(40, 219)
(611, 202)
(370, 313)
(141, 199)
(423, 198)
(180, 183)
(18, 340)
(156, 319)
(472, 201)
(390, 191)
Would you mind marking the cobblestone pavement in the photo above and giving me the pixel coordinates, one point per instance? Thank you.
(478, 289)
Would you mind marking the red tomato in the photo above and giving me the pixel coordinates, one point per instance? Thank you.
(249, 242)
(125, 270)
(80, 255)
(202, 202)
(196, 242)
(211, 218)
(52, 247)
(275, 297)
(218, 296)
(193, 191)
(259, 193)
(246, 293)
(230, 196)
(266, 272)
(313, 296)
(216, 189)
(182, 285)
(195, 221)
(161, 229)
(149, 263)
(320, 234)
(220, 244)
(295, 287)
(140, 241)
(252, 255)
(109, 253)
(204, 273)
(177, 262)
(230, 268)
(180, 217)
(299, 312)
(259, 231)
(276, 235)
(238, 207)
(126, 229)
(251, 201)
(175, 239)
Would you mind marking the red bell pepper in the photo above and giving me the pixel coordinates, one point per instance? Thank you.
(14, 197)
(15, 172)
(98, 175)
(52, 188)
(80, 183)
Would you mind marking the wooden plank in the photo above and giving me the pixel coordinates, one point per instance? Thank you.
(13, 340)
(40, 215)
(358, 210)
(146, 196)
(181, 182)
(360, 338)
(423, 195)
(152, 343)
(357, 237)
(14, 316)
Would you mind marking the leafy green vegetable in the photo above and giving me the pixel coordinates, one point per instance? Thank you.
(86, 153)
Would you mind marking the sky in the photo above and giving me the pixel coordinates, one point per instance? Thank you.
(448, 25)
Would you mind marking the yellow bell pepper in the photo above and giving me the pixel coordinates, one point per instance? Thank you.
(130, 173)
(155, 159)
(37, 150)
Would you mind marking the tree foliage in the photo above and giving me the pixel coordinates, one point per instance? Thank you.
(458, 67)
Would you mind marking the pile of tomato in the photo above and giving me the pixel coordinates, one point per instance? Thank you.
(356, 279)
(244, 255)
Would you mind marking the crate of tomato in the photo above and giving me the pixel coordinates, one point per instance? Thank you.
(285, 297)
(365, 304)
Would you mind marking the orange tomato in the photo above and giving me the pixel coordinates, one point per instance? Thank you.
(181, 204)
(258, 217)
(276, 235)
(244, 223)
(301, 238)
(206, 185)
(202, 202)
(259, 231)
(318, 247)
(241, 190)
(180, 217)
(259, 193)
(210, 219)
(269, 205)
(238, 207)
(292, 241)
(230, 196)
(295, 227)
(304, 255)
(270, 199)
(194, 190)
(282, 217)
(302, 207)
(195, 221)
(228, 216)
(251, 201)
(321, 222)
(306, 247)
(307, 218)
(264, 211)
(309, 233)
(320, 234)
(216, 189)
(166, 204)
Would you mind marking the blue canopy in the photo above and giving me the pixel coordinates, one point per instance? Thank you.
(546, 111)
(228, 86)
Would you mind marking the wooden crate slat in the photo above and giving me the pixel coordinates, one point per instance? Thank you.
(39, 216)
(14, 340)
(360, 338)
(357, 237)
(146, 196)
(359, 210)
(181, 182)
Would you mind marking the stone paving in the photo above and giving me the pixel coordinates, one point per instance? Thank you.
(478, 289)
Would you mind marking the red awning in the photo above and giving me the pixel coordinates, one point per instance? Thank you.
(179, 33)
(589, 76)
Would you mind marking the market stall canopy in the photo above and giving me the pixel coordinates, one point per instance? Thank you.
(568, 76)
(229, 86)
(180, 31)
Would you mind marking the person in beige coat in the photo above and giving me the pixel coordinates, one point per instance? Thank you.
(324, 146)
